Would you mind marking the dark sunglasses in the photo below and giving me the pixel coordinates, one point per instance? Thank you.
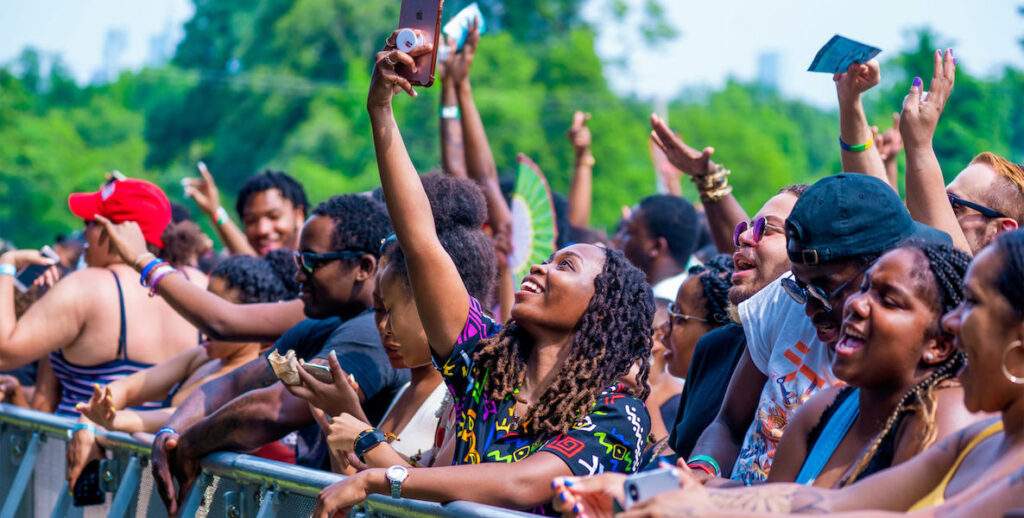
(801, 292)
(309, 262)
(758, 226)
(957, 201)
(675, 315)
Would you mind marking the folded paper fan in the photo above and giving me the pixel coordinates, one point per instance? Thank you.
(534, 232)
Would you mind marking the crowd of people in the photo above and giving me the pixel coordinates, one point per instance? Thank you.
(843, 350)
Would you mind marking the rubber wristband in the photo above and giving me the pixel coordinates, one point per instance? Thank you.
(146, 270)
(166, 429)
(159, 276)
(8, 269)
(147, 281)
(79, 427)
(702, 467)
(710, 461)
(856, 148)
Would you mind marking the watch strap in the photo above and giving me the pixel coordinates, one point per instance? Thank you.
(368, 440)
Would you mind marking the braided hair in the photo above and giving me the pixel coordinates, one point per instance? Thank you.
(715, 281)
(1010, 281)
(946, 268)
(613, 335)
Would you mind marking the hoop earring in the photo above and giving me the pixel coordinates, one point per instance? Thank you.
(1016, 380)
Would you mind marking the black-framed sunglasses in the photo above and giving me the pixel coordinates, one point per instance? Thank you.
(758, 227)
(309, 262)
(676, 317)
(957, 201)
(801, 293)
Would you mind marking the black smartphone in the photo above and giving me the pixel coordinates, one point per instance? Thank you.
(87, 489)
(23, 281)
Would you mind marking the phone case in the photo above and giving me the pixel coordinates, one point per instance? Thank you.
(423, 16)
(87, 488)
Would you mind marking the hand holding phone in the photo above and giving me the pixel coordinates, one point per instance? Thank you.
(643, 486)
(27, 276)
(419, 23)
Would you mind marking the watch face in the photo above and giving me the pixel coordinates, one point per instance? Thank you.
(397, 473)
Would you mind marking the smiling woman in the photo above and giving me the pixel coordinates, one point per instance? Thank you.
(541, 399)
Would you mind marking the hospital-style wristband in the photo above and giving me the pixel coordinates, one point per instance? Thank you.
(451, 112)
(8, 269)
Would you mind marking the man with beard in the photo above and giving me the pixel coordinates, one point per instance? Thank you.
(760, 258)
(249, 407)
(835, 231)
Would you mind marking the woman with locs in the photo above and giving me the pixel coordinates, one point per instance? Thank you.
(534, 401)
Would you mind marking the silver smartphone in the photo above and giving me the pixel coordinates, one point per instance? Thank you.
(649, 484)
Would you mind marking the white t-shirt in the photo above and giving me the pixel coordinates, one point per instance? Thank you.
(667, 289)
(784, 346)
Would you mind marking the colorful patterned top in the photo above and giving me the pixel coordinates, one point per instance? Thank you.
(610, 438)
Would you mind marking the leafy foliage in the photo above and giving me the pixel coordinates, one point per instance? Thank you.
(282, 84)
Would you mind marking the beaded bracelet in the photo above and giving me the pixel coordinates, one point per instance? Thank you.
(856, 148)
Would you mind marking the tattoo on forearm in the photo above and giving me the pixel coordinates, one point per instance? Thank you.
(769, 499)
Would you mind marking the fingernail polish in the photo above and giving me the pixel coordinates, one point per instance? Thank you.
(576, 508)
(562, 496)
(917, 82)
(554, 484)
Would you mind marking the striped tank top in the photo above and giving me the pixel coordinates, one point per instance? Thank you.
(76, 381)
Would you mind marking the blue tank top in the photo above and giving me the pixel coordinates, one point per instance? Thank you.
(76, 381)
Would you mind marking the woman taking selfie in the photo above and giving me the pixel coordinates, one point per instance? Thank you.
(537, 400)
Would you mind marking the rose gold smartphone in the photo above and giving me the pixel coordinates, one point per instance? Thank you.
(423, 17)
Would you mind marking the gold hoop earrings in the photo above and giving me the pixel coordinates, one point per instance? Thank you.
(1016, 380)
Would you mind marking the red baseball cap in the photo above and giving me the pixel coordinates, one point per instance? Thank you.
(127, 200)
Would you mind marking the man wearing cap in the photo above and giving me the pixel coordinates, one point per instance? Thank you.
(835, 231)
(98, 324)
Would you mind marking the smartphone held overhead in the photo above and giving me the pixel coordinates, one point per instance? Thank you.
(419, 23)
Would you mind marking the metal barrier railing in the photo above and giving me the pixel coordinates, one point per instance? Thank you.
(233, 485)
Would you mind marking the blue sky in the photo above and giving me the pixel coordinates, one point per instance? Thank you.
(718, 38)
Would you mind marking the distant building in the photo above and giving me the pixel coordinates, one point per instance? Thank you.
(768, 65)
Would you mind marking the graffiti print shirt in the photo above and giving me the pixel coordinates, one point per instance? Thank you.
(609, 438)
(784, 345)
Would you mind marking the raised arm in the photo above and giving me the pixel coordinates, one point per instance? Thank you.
(432, 273)
(453, 152)
(214, 316)
(926, 190)
(582, 176)
(721, 207)
(204, 192)
(52, 322)
(889, 144)
(479, 159)
(858, 152)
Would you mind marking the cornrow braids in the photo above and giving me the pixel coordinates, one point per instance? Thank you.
(947, 267)
(715, 282)
(613, 335)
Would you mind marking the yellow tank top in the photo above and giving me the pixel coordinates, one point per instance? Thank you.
(938, 495)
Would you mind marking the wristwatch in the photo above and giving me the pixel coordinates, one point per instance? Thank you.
(396, 475)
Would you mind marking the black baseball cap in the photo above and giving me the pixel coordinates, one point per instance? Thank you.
(849, 215)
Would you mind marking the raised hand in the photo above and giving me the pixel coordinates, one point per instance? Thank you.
(921, 111)
(858, 78)
(203, 191)
(679, 154)
(461, 62)
(579, 133)
(125, 239)
(889, 142)
(100, 408)
(386, 81)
